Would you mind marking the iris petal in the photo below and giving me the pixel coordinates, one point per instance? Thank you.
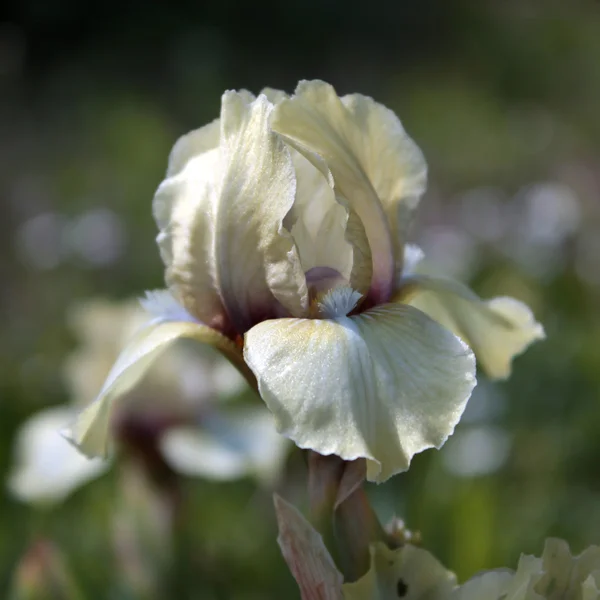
(230, 445)
(497, 330)
(255, 256)
(91, 430)
(318, 125)
(229, 185)
(394, 163)
(317, 221)
(382, 385)
(47, 467)
(184, 211)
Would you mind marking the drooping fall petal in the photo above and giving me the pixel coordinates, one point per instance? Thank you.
(382, 385)
(91, 430)
(497, 330)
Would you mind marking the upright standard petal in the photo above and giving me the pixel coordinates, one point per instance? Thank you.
(193, 144)
(318, 124)
(382, 385)
(203, 139)
(256, 259)
(317, 221)
(497, 330)
(394, 163)
(362, 258)
(47, 468)
(91, 430)
(184, 211)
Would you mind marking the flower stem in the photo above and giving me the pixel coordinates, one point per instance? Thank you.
(356, 526)
(341, 512)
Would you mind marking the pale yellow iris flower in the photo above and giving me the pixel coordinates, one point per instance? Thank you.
(283, 229)
(182, 403)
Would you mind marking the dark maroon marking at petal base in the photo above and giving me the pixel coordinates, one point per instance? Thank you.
(322, 279)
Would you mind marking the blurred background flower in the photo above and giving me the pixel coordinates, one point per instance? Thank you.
(176, 414)
(183, 418)
(503, 100)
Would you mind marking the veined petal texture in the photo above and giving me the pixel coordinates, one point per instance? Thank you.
(318, 124)
(383, 385)
(229, 186)
(317, 221)
(256, 259)
(184, 211)
(394, 163)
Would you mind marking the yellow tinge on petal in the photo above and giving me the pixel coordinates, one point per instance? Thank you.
(383, 385)
(497, 330)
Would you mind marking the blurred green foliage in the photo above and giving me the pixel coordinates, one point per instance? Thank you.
(500, 96)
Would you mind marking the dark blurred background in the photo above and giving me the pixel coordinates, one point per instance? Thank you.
(503, 98)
